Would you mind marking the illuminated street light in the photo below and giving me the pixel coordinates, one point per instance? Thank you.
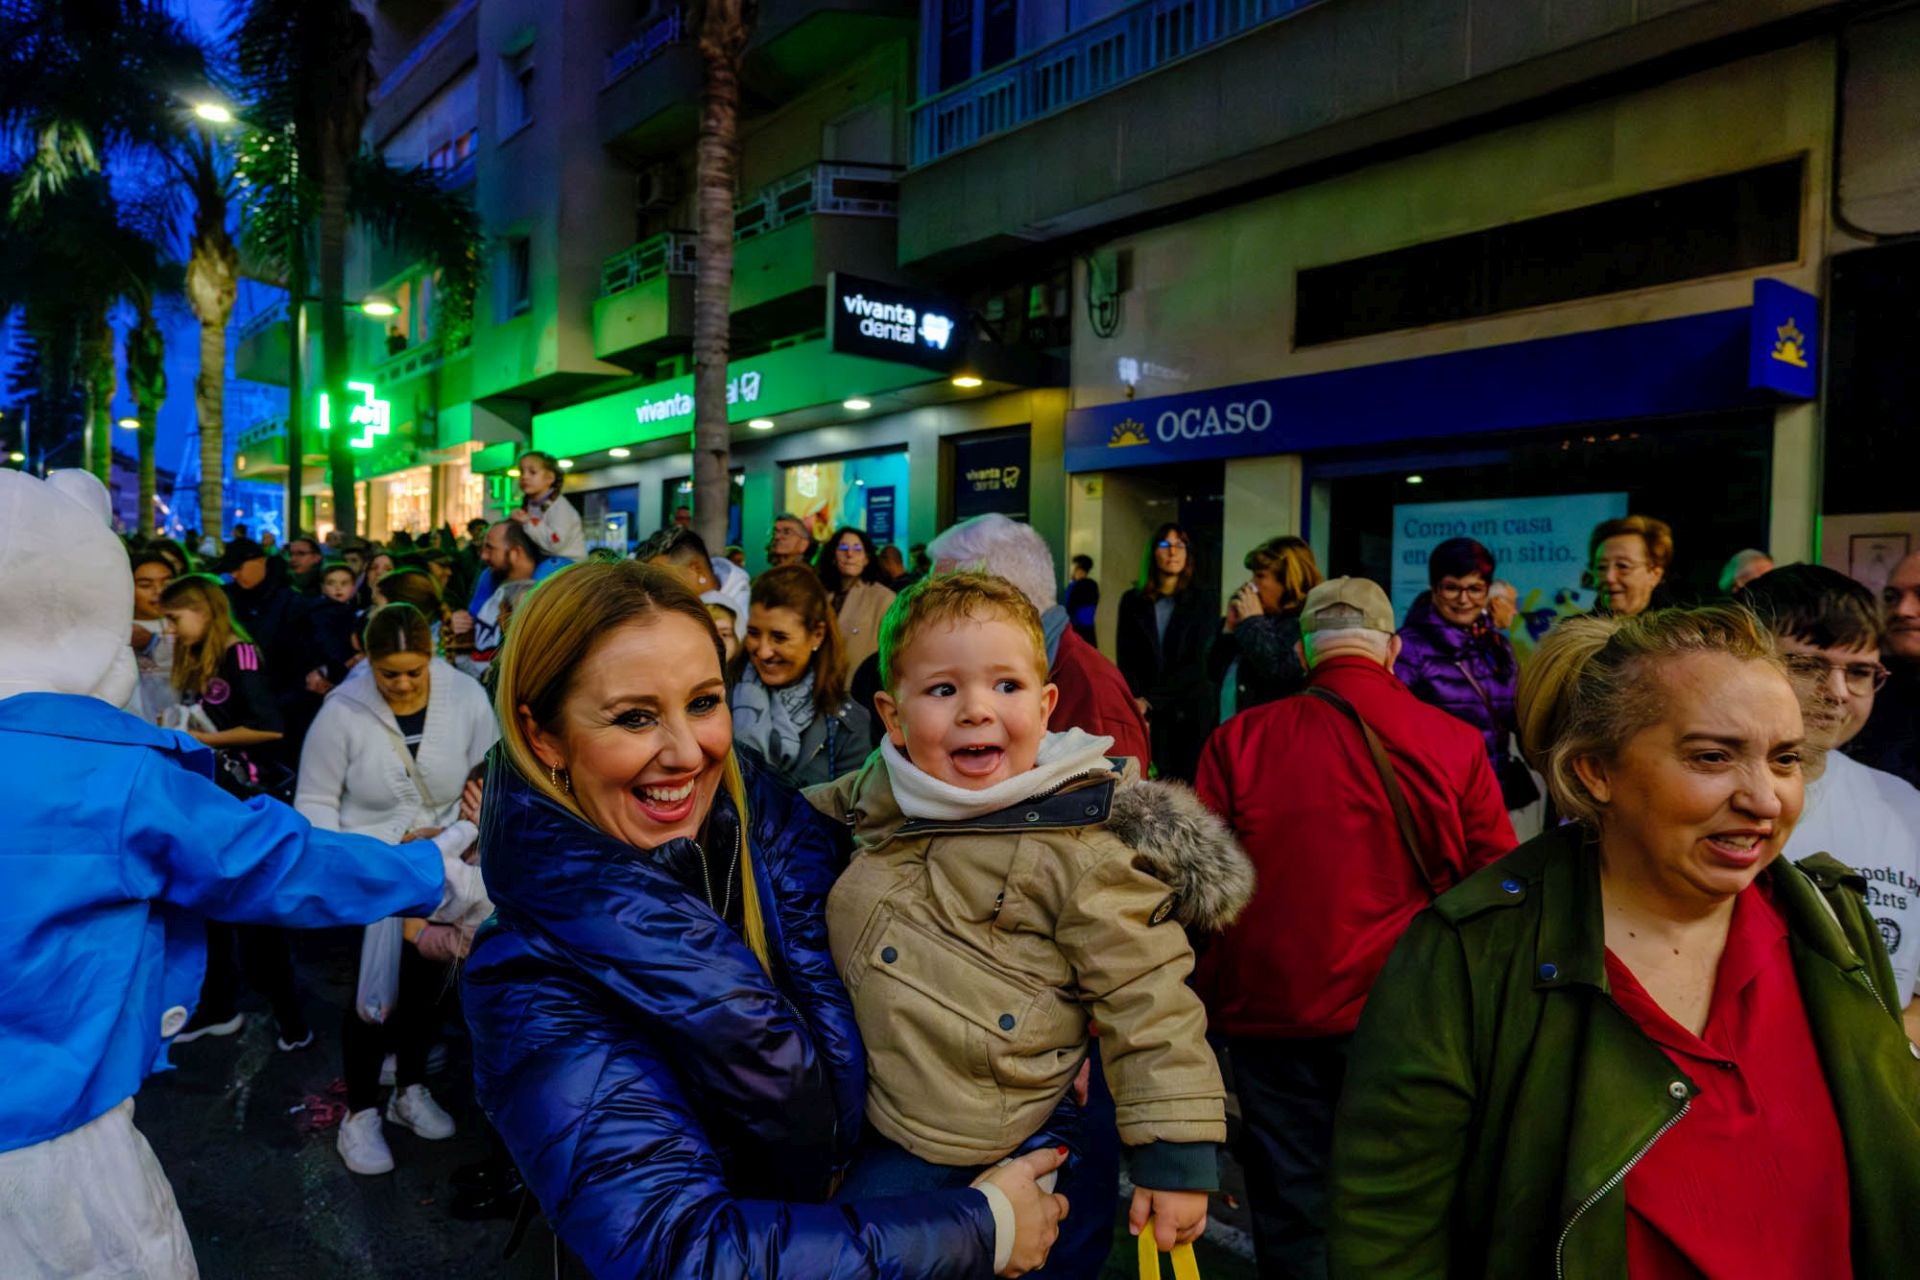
(966, 381)
(128, 424)
(379, 308)
(213, 113)
(16, 456)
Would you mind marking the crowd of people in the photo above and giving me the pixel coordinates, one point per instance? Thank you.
(852, 919)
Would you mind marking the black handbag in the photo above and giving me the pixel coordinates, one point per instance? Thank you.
(1517, 787)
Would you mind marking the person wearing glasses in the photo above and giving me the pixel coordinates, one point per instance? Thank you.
(1891, 740)
(1629, 558)
(1454, 657)
(851, 572)
(1160, 645)
(1828, 631)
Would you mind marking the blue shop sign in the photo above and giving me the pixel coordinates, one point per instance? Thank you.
(1692, 364)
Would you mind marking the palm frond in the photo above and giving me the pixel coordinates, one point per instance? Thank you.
(413, 210)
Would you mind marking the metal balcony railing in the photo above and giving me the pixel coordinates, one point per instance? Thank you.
(260, 433)
(857, 190)
(671, 253)
(654, 39)
(422, 357)
(263, 319)
(861, 190)
(1082, 65)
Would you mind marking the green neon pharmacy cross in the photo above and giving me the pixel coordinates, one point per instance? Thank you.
(372, 415)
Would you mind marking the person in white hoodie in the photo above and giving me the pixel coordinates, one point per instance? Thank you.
(390, 753)
(1828, 630)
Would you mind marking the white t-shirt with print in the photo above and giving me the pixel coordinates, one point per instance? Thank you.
(1870, 820)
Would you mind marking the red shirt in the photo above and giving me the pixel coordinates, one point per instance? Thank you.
(1335, 885)
(1094, 697)
(1753, 1179)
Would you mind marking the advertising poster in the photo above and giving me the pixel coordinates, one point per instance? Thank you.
(827, 495)
(1539, 544)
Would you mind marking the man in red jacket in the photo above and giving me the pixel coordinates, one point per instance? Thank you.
(1338, 884)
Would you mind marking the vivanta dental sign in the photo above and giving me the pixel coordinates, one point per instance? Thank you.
(888, 322)
(650, 412)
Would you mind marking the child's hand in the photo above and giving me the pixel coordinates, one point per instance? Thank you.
(520, 515)
(1178, 1216)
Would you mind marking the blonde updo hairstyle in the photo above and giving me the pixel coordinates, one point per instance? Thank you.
(1594, 682)
(555, 629)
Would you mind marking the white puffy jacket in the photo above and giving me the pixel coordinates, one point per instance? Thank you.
(353, 768)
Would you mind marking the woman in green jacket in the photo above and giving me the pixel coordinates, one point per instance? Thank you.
(1639, 1046)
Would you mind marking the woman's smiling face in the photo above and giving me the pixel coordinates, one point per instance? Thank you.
(644, 732)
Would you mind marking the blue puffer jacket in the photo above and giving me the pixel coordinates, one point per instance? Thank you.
(676, 1112)
(1436, 657)
(118, 848)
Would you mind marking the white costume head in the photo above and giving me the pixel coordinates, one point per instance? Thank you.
(68, 597)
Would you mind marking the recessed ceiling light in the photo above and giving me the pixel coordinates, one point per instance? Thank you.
(760, 424)
(1416, 479)
(857, 404)
(619, 453)
(566, 464)
(966, 381)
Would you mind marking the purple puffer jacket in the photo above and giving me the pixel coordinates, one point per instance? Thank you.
(1435, 659)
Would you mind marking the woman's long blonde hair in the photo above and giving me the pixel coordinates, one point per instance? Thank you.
(554, 631)
(195, 665)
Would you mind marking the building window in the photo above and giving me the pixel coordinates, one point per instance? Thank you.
(516, 93)
(516, 277)
(974, 37)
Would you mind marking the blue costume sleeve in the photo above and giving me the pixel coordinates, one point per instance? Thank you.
(624, 1170)
(191, 844)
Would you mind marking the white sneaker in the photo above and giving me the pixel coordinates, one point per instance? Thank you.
(415, 1108)
(362, 1146)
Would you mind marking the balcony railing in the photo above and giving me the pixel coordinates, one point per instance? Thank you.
(263, 319)
(1082, 65)
(671, 253)
(858, 190)
(261, 433)
(422, 357)
(862, 190)
(654, 39)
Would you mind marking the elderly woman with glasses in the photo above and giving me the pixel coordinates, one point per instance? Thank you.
(1452, 656)
(1629, 558)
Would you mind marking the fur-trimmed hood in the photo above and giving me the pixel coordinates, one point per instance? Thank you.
(1186, 845)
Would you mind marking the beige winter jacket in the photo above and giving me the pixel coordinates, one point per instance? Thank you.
(977, 953)
(859, 617)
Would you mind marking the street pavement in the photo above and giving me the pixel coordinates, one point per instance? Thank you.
(246, 1132)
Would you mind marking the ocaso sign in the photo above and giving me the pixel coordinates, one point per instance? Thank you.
(1234, 418)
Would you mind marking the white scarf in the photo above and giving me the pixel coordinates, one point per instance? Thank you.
(1062, 757)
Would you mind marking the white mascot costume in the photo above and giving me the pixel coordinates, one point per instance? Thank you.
(118, 848)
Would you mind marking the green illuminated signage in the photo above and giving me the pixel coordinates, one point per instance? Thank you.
(372, 415)
(765, 386)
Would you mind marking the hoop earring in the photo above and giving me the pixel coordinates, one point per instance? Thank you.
(560, 778)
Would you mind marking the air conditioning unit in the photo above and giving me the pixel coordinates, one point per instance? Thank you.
(657, 188)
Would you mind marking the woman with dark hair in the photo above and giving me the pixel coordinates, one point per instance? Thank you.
(1161, 645)
(857, 585)
(790, 682)
(1451, 655)
(677, 1071)
(415, 587)
(544, 512)
(389, 755)
(1255, 658)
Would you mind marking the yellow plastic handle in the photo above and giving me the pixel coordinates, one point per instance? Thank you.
(1184, 1266)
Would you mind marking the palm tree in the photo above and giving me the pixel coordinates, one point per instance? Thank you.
(82, 81)
(206, 177)
(725, 27)
(147, 380)
(307, 66)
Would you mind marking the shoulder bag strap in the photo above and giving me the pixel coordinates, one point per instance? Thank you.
(1433, 876)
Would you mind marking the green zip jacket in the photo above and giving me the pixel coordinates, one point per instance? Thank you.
(1497, 1097)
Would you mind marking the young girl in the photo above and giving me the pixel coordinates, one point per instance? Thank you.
(220, 675)
(549, 518)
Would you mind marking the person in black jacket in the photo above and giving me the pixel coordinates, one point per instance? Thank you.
(1254, 659)
(277, 619)
(1165, 630)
